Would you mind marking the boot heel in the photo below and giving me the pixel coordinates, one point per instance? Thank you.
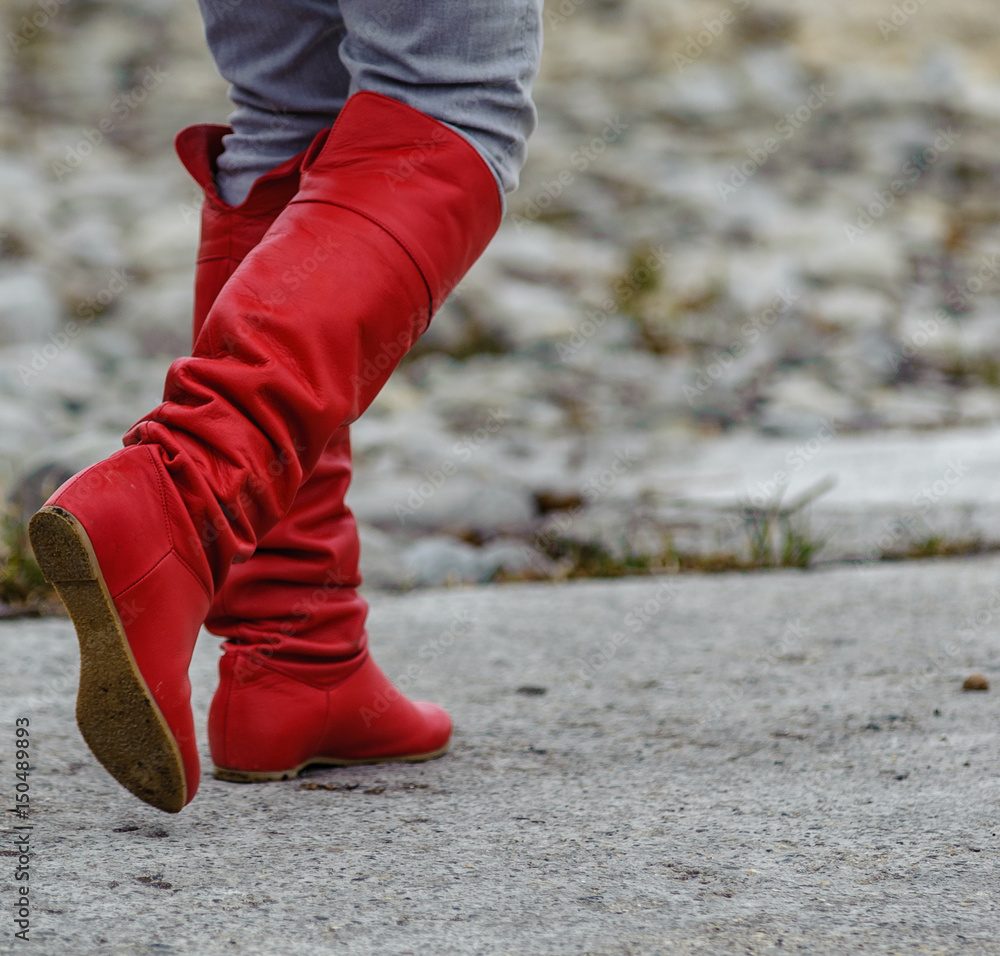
(61, 547)
(115, 712)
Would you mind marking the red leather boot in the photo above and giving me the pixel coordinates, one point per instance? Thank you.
(292, 613)
(393, 208)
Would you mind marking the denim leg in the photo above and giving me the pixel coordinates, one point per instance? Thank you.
(287, 82)
(468, 63)
(292, 64)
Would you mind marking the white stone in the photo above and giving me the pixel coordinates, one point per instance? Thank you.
(441, 560)
(525, 313)
(158, 313)
(460, 501)
(29, 309)
(813, 402)
(382, 565)
(909, 407)
(847, 307)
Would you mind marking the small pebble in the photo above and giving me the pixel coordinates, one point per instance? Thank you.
(531, 690)
(975, 682)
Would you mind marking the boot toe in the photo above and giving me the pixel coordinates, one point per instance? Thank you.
(436, 736)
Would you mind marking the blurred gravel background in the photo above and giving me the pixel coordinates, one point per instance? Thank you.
(778, 221)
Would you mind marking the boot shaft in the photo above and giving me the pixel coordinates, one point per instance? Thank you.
(228, 233)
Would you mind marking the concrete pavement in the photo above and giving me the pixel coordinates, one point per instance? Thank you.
(770, 763)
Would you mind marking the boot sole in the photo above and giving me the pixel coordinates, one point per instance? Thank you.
(116, 713)
(263, 776)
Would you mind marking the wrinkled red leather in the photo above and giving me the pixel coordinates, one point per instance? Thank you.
(417, 178)
(392, 209)
(139, 529)
(228, 233)
(262, 720)
(312, 322)
(297, 595)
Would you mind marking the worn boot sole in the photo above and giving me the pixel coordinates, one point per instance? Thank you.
(116, 713)
(262, 776)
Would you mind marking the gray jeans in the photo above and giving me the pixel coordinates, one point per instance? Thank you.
(293, 63)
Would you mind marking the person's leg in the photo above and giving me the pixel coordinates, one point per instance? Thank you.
(303, 577)
(294, 607)
(286, 81)
(470, 65)
(294, 603)
(138, 544)
(392, 210)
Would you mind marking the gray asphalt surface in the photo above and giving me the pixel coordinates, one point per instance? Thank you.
(782, 762)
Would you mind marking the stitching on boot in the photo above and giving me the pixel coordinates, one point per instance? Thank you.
(162, 485)
(141, 578)
(187, 567)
